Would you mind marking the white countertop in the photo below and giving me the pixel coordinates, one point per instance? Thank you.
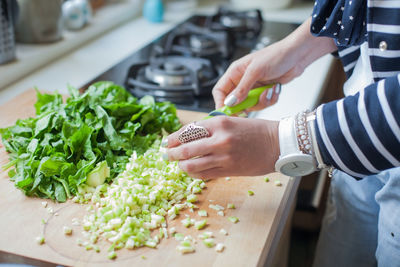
(85, 63)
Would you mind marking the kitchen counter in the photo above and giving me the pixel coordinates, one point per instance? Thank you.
(254, 241)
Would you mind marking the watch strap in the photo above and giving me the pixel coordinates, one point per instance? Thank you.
(287, 137)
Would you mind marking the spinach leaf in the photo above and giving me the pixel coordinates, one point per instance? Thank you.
(53, 153)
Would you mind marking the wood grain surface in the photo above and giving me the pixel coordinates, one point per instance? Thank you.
(250, 242)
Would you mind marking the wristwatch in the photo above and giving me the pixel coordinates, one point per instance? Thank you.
(292, 161)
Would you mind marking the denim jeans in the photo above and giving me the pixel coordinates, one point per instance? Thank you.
(361, 226)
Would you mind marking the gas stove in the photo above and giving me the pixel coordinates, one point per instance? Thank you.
(184, 64)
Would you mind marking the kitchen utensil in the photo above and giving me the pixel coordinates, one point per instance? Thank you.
(153, 10)
(250, 101)
(76, 14)
(8, 14)
(40, 21)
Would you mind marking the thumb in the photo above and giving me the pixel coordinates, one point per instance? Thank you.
(242, 89)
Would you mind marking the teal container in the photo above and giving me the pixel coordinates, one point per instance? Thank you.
(153, 10)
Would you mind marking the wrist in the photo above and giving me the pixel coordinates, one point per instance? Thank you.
(273, 136)
(296, 157)
(307, 47)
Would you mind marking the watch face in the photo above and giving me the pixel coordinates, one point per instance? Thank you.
(298, 168)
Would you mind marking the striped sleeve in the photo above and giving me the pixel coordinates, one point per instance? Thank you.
(360, 134)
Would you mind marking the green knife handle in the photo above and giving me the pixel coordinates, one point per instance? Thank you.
(250, 101)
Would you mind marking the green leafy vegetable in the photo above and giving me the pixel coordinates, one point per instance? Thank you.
(53, 153)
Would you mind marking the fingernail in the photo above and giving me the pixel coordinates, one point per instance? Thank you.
(165, 156)
(164, 142)
(230, 100)
(269, 94)
(277, 88)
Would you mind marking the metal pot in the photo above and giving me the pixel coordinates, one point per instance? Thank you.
(8, 15)
(40, 21)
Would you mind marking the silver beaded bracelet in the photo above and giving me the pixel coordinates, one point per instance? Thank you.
(303, 137)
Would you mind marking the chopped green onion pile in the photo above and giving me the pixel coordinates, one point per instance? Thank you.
(137, 202)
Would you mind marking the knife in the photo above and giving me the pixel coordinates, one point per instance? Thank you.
(250, 101)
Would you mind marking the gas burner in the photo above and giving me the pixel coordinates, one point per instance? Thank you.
(242, 24)
(173, 78)
(197, 41)
(170, 73)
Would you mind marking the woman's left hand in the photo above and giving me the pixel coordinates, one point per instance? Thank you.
(235, 147)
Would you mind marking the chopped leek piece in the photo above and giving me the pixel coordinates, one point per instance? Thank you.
(216, 207)
(187, 222)
(233, 219)
(184, 250)
(278, 183)
(219, 247)
(202, 213)
(179, 236)
(130, 244)
(191, 198)
(209, 242)
(228, 178)
(231, 206)
(112, 255)
(67, 230)
(206, 235)
(250, 193)
(185, 247)
(40, 240)
(188, 238)
(44, 204)
(266, 179)
(151, 243)
(223, 231)
(143, 257)
(173, 212)
(98, 175)
(196, 189)
(172, 230)
(200, 224)
(221, 213)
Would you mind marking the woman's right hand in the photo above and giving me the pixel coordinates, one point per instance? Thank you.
(269, 65)
(280, 62)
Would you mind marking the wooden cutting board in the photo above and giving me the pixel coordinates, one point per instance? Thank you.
(250, 242)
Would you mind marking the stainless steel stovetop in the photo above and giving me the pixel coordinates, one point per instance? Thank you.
(183, 65)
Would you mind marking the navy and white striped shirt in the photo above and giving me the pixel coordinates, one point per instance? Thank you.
(360, 134)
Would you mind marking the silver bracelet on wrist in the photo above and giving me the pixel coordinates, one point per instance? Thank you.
(303, 137)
